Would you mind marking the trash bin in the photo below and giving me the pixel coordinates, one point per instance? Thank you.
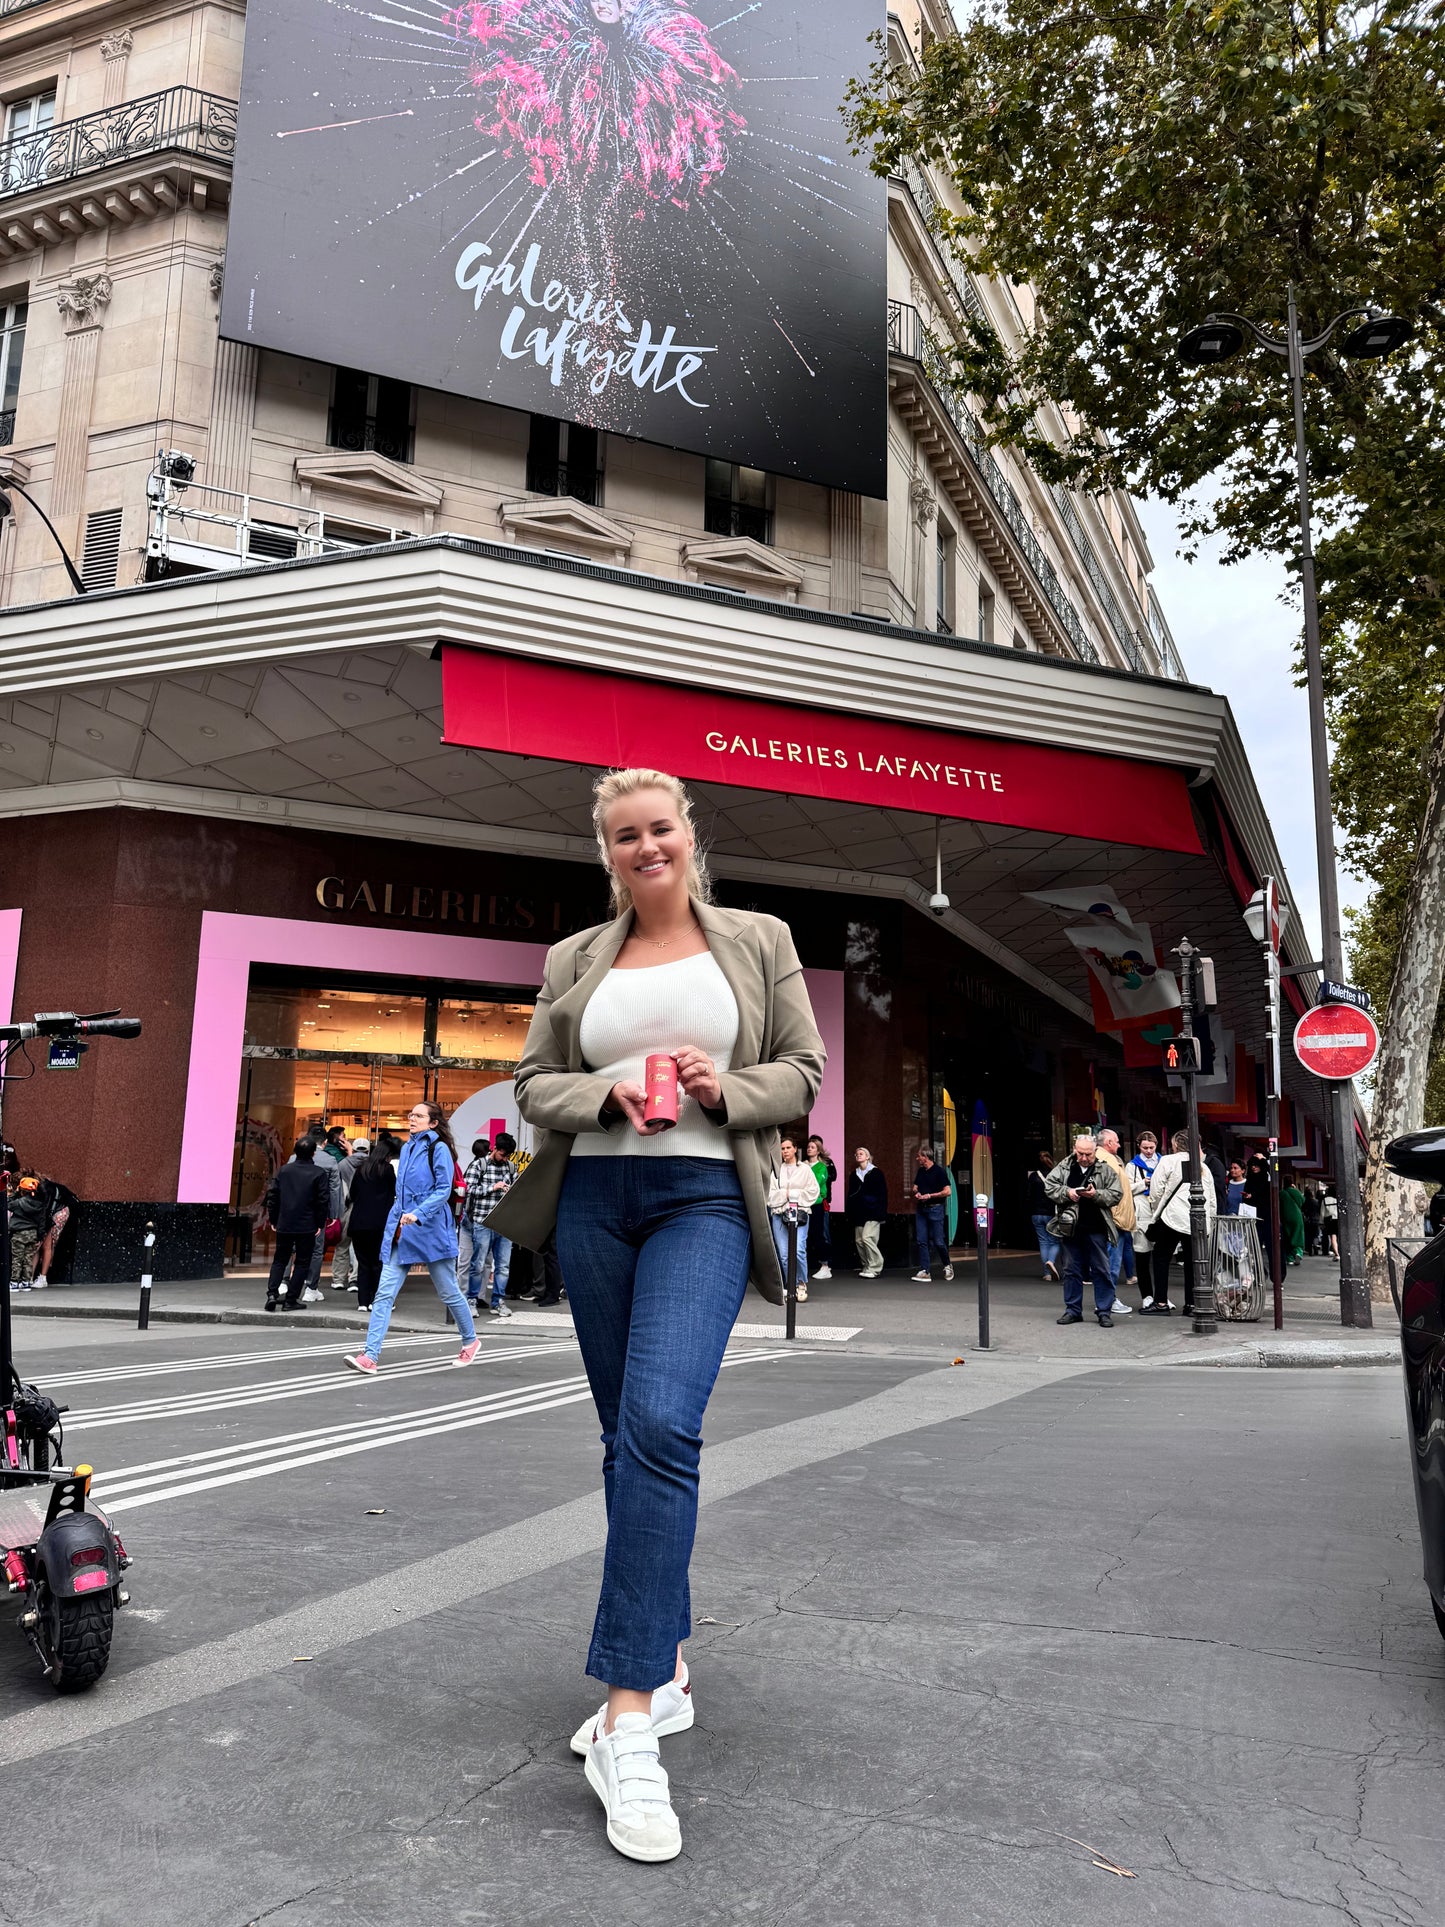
(1236, 1260)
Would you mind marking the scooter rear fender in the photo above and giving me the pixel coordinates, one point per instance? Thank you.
(78, 1554)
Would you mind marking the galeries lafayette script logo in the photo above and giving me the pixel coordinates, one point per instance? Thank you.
(775, 749)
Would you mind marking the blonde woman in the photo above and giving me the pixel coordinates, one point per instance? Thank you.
(793, 1183)
(657, 1231)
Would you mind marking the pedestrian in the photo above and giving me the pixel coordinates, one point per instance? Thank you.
(481, 1146)
(1169, 1223)
(1292, 1220)
(1144, 1162)
(1121, 1252)
(56, 1204)
(1084, 1191)
(335, 1205)
(1041, 1211)
(867, 1208)
(1330, 1221)
(1234, 1188)
(1214, 1165)
(298, 1204)
(1312, 1219)
(793, 1185)
(334, 1145)
(489, 1179)
(820, 1241)
(27, 1227)
(657, 1230)
(373, 1189)
(343, 1268)
(1257, 1192)
(420, 1230)
(550, 1291)
(931, 1191)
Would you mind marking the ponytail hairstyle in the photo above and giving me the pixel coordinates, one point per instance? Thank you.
(610, 789)
(439, 1124)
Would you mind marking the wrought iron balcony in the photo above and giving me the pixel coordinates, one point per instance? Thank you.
(582, 483)
(177, 120)
(7, 427)
(736, 518)
(908, 337)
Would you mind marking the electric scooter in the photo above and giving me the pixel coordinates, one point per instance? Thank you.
(59, 1551)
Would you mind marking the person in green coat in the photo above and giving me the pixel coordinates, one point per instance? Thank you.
(1292, 1220)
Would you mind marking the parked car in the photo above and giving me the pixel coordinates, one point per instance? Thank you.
(1420, 1301)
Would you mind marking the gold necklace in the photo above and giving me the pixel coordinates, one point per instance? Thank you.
(661, 943)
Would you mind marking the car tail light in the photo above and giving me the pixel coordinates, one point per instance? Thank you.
(91, 1581)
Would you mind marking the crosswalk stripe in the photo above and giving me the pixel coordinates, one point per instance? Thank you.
(142, 1485)
(220, 1361)
(268, 1391)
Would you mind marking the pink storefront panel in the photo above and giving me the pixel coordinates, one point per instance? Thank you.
(230, 945)
(9, 961)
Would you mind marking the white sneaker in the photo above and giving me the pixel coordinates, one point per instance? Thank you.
(40, 1284)
(672, 1712)
(309, 1297)
(823, 1271)
(802, 1294)
(923, 1277)
(1120, 1308)
(1147, 1303)
(870, 1274)
(947, 1272)
(624, 1771)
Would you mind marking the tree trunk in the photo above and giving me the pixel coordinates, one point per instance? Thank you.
(1404, 1060)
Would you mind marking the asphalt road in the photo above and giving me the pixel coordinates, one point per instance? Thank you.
(956, 1628)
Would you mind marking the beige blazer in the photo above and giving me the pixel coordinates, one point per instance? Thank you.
(777, 1066)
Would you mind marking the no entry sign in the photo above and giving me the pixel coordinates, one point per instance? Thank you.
(1335, 1041)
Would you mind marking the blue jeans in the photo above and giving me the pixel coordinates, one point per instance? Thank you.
(1091, 1253)
(656, 1252)
(780, 1239)
(930, 1229)
(1049, 1246)
(1129, 1264)
(488, 1244)
(393, 1276)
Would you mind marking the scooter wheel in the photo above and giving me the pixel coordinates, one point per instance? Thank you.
(76, 1637)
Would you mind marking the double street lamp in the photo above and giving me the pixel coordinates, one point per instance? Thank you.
(1218, 339)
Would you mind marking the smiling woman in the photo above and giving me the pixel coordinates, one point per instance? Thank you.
(657, 1229)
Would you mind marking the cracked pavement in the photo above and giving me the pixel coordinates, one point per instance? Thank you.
(1175, 1615)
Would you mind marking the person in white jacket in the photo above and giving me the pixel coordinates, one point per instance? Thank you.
(792, 1183)
(1169, 1223)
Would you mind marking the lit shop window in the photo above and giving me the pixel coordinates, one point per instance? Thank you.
(12, 351)
(736, 501)
(565, 458)
(371, 413)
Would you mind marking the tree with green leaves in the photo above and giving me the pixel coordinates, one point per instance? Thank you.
(1144, 163)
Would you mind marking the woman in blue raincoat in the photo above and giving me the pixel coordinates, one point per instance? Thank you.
(420, 1231)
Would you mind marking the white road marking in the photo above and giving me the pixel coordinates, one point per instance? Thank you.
(220, 1361)
(140, 1485)
(268, 1391)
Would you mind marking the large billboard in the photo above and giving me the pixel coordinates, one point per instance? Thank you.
(621, 212)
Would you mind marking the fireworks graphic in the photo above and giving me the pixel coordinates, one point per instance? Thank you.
(623, 100)
(645, 178)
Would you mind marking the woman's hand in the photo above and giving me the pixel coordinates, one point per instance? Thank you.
(631, 1101)
(407, 1217)
(697, 1074)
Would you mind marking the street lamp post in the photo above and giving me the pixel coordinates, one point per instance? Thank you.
(8, 482)
(1216, 340)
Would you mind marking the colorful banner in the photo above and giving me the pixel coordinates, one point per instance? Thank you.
(590, 716)
(1121, 961)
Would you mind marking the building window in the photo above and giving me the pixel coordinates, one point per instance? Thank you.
(943, 580)
(371, 412)
(985, 612)
(564, 458)
(100, 559)
(736, 501)
(12, 350)
(30, 116)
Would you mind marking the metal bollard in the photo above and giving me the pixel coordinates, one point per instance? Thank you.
(144, 1319)
(980, 1221)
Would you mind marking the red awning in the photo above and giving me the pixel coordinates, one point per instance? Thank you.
(531, 708)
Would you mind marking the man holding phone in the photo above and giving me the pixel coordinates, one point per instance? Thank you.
(1085, 1190)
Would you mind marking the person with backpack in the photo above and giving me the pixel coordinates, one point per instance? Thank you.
(420, 1230)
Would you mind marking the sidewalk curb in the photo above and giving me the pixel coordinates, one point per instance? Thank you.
(1298, 1355)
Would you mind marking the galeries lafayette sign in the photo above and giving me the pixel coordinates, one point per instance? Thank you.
(530, 708)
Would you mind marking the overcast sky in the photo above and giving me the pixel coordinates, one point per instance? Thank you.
(1237, 636)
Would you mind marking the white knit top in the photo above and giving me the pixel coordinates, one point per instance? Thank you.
(633, 1013)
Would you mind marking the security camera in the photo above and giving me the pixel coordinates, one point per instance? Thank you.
(938, 903)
